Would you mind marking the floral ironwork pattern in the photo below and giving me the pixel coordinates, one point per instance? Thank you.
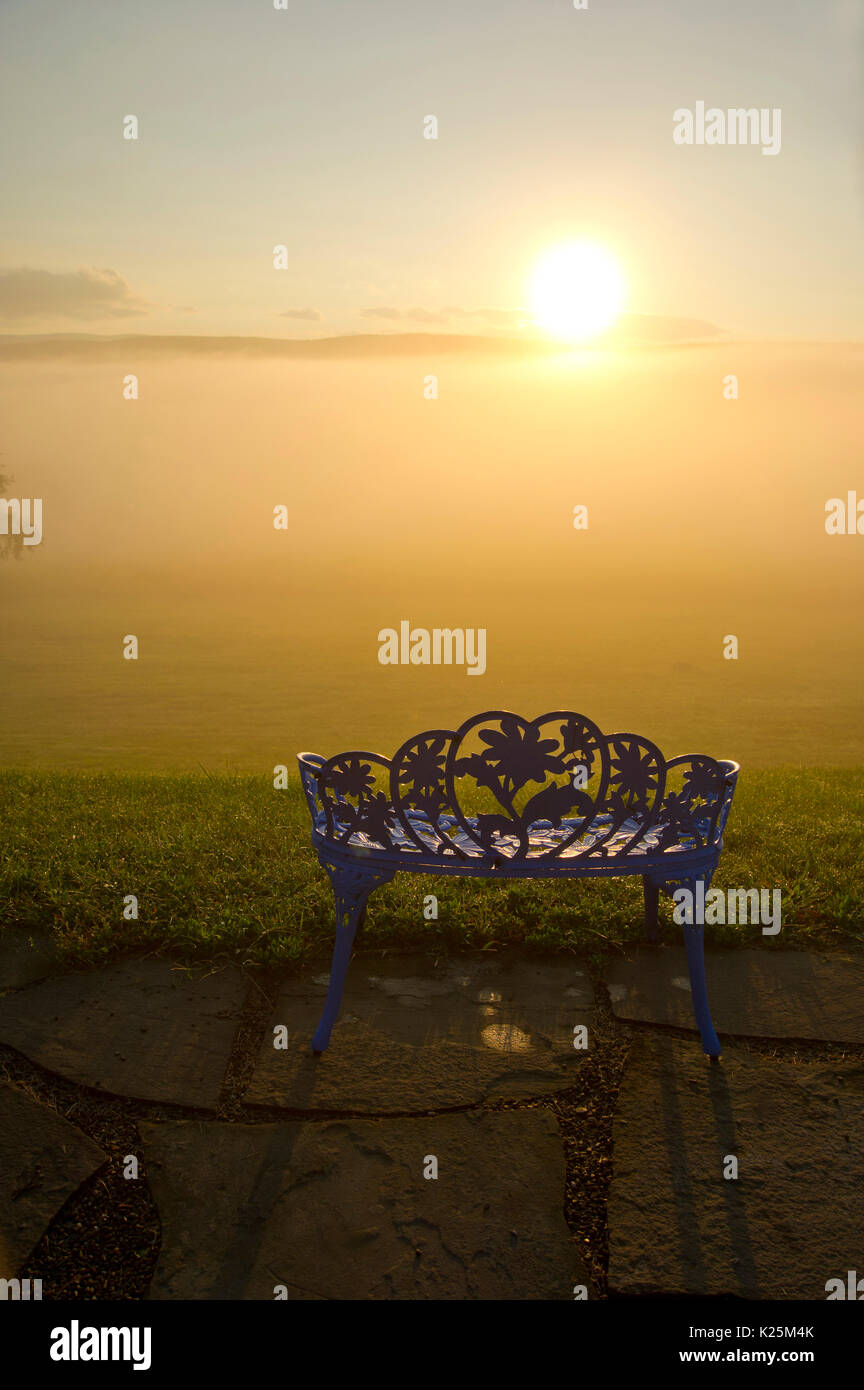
(688, 815)
(356, 809)
(502, 788)
(508, 756)
(419, 792)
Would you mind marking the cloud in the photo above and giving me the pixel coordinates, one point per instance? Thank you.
(416, 315)
(71, 294)
(660, 328)
(427, 315)
(502, 318)
(306, 315)
(635, 329)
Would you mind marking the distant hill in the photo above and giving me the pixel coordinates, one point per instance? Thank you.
(632, 330)
(94, 347)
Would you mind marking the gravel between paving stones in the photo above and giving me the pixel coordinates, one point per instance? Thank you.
(105, 1240)
(585, 1115)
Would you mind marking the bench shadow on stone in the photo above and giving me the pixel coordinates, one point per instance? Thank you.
(685, 1192)
(404, 1011)
(241, 1253)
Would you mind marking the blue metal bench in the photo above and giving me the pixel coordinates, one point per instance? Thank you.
(506, 797)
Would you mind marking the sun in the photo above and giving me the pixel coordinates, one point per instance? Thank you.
(576, 291)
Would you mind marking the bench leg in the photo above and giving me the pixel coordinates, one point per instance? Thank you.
(351, 890)
(652, 899)
(694, 945)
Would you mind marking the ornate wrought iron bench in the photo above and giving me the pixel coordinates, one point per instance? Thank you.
(506, 797)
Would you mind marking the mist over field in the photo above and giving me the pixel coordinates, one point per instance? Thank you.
(706, 518)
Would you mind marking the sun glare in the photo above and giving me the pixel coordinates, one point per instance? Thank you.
(576, 291)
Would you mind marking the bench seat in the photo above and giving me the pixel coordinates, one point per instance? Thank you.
(543, 836)
(507, 797)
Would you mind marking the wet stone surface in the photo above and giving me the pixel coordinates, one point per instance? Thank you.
(332, 1206)
(415, 1037)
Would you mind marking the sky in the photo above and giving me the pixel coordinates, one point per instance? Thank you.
(304, 127)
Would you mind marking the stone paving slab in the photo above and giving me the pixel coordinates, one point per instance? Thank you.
(413, 1036)
(143, 1029)
(25, 957)
(43, 1160)
(794, 1217)
(341, 1209)
(763, 994)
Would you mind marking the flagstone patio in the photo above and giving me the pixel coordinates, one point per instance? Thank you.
(430, 1152)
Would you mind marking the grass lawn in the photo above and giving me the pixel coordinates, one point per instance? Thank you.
(222, 869)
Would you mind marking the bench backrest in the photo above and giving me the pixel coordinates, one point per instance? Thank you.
(520, 788)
